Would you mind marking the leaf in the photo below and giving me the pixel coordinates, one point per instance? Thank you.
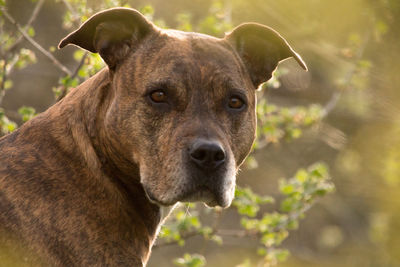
(281, 254)
(261, 251)
(8, 84)
(78, 54)
(27, 113)
(190, 260)
(31, 31)
(6, 126)
(301, 175)
(286, 188)
(217, 239)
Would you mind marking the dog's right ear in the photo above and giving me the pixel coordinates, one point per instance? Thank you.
(261, 49)
(111, 33)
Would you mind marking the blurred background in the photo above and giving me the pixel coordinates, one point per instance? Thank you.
(352, 50)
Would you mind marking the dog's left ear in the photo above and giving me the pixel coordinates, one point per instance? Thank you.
(111, 33)
(261, 49)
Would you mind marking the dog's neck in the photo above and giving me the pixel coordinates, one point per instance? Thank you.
(120, 175)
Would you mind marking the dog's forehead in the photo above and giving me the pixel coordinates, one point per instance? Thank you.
(201, 48)
(181, 35)
(178, 55)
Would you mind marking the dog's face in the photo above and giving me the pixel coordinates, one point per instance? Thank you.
(184, 103)
(195, 105)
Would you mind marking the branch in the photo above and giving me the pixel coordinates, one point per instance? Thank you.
(233, 233)
(64, 88)
(35, 44)
(79, 65)
(331, 104)
(174, 242)
(214, 231)
(33, 17)
(3, 81)
(75, 15)
(238, 233)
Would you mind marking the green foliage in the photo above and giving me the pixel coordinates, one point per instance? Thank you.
(6, 126)
(300, 193)
(184, 223)
(248, 203)
(27, 113)
(147, 11)
(217, 22)
(190, 260)
(270, 228)
(276, 123)
(184, 22)
(24, 58)
(18, 60)
(180, 224)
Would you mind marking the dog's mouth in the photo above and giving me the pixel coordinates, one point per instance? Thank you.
(206, 195)
(198, 194)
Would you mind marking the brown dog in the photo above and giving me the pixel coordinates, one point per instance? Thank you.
(171, 119)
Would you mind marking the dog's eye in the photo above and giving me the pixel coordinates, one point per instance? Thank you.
(235, 102)
(158, 96)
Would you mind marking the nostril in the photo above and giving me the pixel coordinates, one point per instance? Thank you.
(199, 154)
(219, 155)
(207, 154)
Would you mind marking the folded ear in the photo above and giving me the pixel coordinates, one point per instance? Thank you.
(261, 49)
(111, 33)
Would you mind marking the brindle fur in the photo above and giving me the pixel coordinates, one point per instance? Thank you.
(75, 181)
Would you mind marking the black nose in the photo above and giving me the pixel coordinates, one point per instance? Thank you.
(207, 155)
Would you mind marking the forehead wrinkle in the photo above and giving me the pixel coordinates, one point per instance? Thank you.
(219, 81)
(164, 60)
(218, 61)
(185, 67)
(179, 68)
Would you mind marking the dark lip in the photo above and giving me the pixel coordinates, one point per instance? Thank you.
(202, 194)
(197, 194)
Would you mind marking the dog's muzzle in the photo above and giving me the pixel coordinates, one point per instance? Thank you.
(207, 174)
(212, 177)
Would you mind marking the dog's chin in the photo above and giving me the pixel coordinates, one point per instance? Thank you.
(208, 197)
(201, 194)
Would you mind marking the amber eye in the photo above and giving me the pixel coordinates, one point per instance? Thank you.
(158, 96)
(235, 102)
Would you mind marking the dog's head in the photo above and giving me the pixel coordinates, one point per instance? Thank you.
(183, 106)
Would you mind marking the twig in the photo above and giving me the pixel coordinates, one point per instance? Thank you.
(333, 101)
(233, 233)
(331, 104)
(33, 17)
(63, 88)
(75, 15)
(3, 81)
(214, 231)
(35, 44)
(185, 236)
(11, 49)
(79, 65)
(217, 220)
(238, 233)
(174, 242)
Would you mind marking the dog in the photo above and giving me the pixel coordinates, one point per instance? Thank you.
(169, 119)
